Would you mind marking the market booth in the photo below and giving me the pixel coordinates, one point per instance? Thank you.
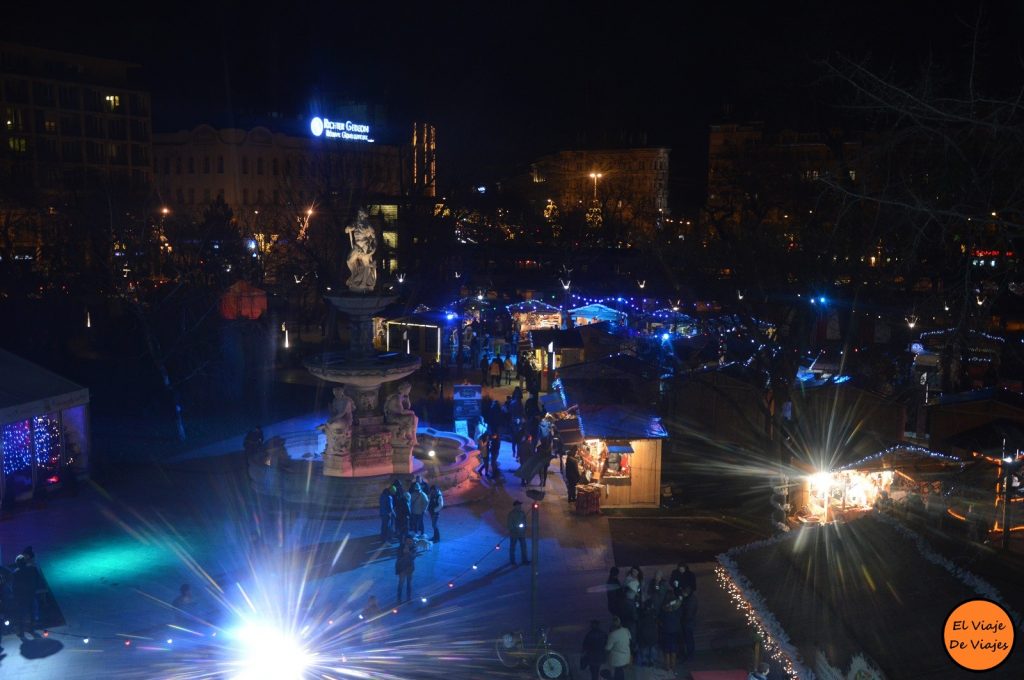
(529, 315)
(425, 334)
(596, 313)
(44, 429)
(620, 452)
(900, 475)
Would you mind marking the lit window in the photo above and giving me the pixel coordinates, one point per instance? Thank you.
(853, 175)
(113, 102)
(18, 144)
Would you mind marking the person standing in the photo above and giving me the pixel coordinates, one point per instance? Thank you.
(493, 451)
(544, 456)
(485, 367)
(617, 647)
(647, 635)
(510, 369)
(24, 584)
(418, 506)
(688, 622)
(592, 655)
(405, 564)
(572, 477)
(670, 632)
(495, 372)
(402, 512)
(387, 515)
(613, 588)
(516, 525)
(434, 507)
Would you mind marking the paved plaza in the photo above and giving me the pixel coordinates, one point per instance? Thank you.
(115, 556)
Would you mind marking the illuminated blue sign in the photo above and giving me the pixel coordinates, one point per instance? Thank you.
(332, 129)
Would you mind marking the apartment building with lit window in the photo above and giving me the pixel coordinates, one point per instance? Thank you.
(72, 122)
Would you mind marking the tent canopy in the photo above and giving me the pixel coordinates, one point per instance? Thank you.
(599, 312)
(533, 306)
(28, 390)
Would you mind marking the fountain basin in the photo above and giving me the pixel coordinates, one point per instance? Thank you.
(295, 475)
(367, 372)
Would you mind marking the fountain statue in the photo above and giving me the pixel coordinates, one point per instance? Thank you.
(400, 417)
(361, 265)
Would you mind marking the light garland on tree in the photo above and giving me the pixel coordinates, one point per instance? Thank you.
(944, 331)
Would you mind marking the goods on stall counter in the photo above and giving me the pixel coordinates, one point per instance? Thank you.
(588, 499)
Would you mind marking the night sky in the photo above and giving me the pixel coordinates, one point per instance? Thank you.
(505, 81)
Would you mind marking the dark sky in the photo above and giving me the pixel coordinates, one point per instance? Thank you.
(507, 80)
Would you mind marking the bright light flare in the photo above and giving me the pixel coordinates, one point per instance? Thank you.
(821, 481)
(270, 654)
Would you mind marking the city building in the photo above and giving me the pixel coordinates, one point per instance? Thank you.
(289, 170)
(771, 175)
(71, 122)
(630, 186)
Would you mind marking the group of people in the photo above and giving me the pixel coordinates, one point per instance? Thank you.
(402, 511)
(651, 619)
(20, 589)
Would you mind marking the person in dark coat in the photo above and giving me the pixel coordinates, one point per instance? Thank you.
(402, 513)
(688, 622)
(25, 581)
(493, 451)
(434, 507)
(387, 515)
(682, 577)
(405, 564)
(671, 629)
(516, 525)
(592, 655)
(614, 586)
(572, 477)
(647, 635)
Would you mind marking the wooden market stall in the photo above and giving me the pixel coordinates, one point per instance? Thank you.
(619, 448)
(532, 314)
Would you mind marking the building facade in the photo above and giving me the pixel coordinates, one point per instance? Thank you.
(772, 174)
(629, 185)
(71, 122)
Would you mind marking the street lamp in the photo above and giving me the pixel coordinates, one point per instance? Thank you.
(595, 176)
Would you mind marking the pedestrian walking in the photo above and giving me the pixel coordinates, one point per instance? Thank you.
(592, 655)
(405, 565)
(544, 456)
(617, 647)
(434, 506)
(688, 622)
(572, 477)
(417, 507)
(387, 515)
(483, 448)
(516, 525)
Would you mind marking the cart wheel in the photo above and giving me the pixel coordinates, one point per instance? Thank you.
(551, 666)
(509, 648)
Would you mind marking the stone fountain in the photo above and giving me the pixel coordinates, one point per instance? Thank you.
(363, 438)
(369, 440)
